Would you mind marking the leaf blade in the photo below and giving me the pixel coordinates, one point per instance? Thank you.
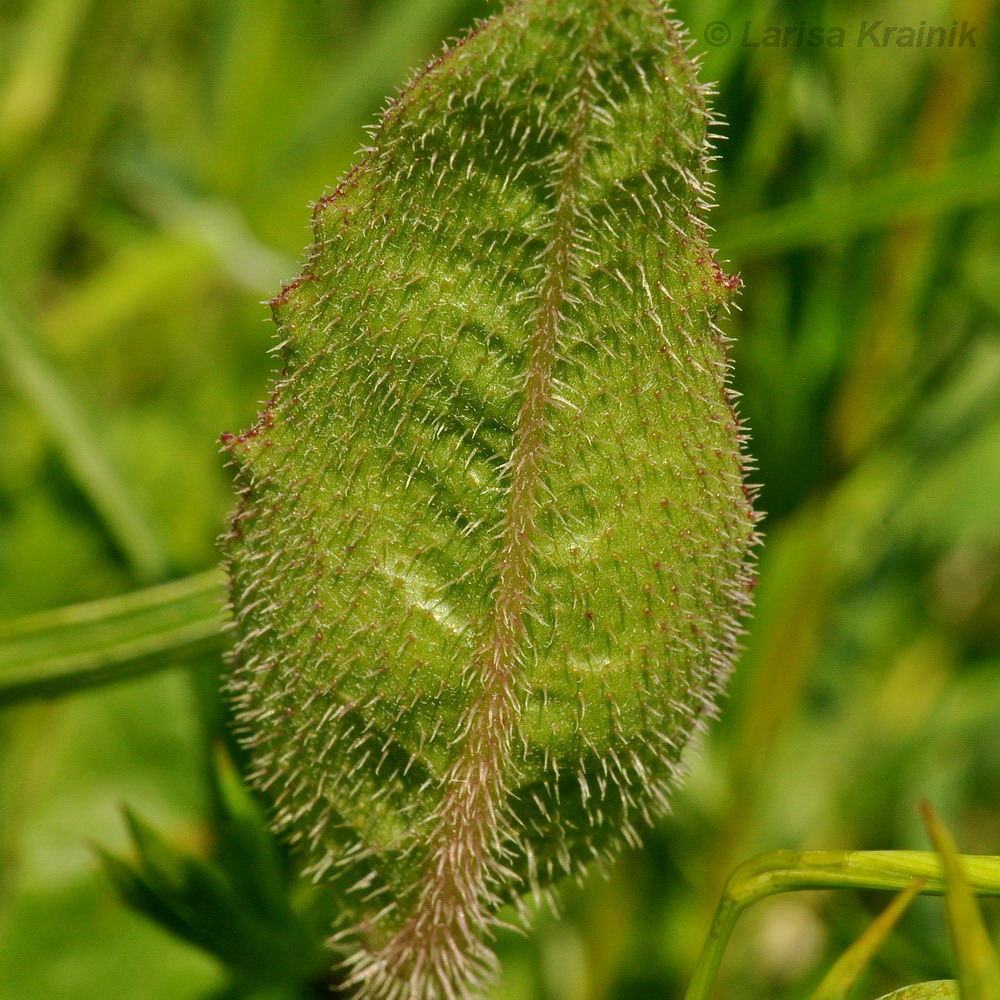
(79, 445)
(846, 971)
(491, 553)
(56, 653)
(976, 958)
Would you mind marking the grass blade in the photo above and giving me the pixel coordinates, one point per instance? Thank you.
(977, 960)
(77, 441)
(841, 979)
(843, 213)
(59, 652)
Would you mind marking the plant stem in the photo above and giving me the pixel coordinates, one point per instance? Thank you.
(788, 871)
(58, 652)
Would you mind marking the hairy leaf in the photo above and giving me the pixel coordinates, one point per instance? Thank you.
(492, 547)
(939, 989)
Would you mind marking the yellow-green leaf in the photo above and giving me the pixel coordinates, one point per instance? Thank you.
(939, 989)
(975, 956)
(838, 983)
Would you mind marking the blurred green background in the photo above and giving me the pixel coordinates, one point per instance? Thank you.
(157, 160)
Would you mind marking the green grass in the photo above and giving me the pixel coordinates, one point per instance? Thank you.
(156, 161)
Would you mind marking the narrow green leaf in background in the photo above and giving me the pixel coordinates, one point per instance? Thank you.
(839, 982)
(978, 964)
(58, 652)
(73, 436)
(235, 904)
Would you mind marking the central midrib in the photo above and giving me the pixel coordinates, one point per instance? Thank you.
(452, 906)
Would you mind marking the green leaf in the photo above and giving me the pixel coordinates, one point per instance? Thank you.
(69, 649)
(839, 214)
(939, 989)
(236, 904)
(776, 872)
(976, 958)
(491, 554)
(842, 978)
(70, 428)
